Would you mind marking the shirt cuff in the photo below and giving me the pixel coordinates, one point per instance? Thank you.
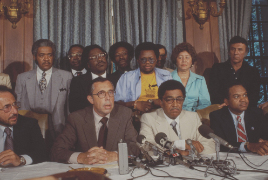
(179, 144)
(28, 159)
(242, 147)
(73, 158)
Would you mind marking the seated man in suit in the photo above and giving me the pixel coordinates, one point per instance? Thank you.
(91, 135)
(45, 89)
(179, 125)
(243, 127)
(75, 63)
(21, 141)
(121, 53)
(95, 57)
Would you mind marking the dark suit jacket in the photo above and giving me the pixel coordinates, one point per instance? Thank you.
(221, 77)
(79, 90)
(28, 139)
(222, 123)
(79, 134)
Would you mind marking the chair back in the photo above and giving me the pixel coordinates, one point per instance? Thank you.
(204, 113)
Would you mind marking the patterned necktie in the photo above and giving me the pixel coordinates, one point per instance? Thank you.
(78, 73)
(103, 133)
(173, 125)
(43, 83)
(9, 139)
(242, 137)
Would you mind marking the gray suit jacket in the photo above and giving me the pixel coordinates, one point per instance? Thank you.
(79, 134)
(155, 122)
(60, 80)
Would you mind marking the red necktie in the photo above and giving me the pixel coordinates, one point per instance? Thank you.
(78, 73)
(103, 133)
(242, 137)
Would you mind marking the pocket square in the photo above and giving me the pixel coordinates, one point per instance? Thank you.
(63, 89)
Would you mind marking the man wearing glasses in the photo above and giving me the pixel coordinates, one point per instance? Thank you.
(21, 141)
(179, 125)
(45, 89)
(91, 135)
(95, 59)
(75, 63)
(162, 57)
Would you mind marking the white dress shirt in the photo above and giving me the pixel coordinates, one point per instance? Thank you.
(178, 144)
(40, 72)
(3, 136)
(94, 76)
(83, 71)
(234, 116)
(98, 124)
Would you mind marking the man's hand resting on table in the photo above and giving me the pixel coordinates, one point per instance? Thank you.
(9, 157)
(261, 147)
(97, 155)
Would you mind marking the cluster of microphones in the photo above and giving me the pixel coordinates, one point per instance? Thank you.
(167, 154)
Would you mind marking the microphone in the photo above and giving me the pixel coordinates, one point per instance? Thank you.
(142, 140)
(161, 139)
(208, 133)
(139, 164)
(193, 149)
(151, 161)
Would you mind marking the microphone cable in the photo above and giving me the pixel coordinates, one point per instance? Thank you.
(252, 162)
(255, 169)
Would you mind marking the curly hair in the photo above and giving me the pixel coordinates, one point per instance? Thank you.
(116, 45)
(183, 47)
(145, 46)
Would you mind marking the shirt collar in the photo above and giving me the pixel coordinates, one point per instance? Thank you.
(97, 117)
(39, 71)
(2, 130)
(84, 71)
(235, 116)
(94, 76)
(170, 120)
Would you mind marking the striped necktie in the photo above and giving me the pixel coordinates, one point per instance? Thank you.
(242, 137)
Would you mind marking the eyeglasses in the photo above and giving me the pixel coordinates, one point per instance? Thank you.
(95, 57)
(7, 108)
(74, 55)
(102, 94)
(124, 53)
(171, 100)
(144, 60)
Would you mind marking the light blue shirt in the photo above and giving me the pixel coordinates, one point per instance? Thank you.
(3, 136)
(234, 116)
(197, 96)
(128, 87)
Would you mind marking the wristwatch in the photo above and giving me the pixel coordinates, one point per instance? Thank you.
(246, 147)
(22, 160)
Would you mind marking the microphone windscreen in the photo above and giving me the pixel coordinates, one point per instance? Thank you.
(204, 130)
(140, 138)
(159, 136)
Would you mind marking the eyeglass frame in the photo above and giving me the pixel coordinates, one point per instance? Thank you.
(178, 99)
(14, 104)
(96, 57)
(106, 92)
(151, 60)
(74, 55)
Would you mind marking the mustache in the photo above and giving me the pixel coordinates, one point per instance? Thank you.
(101, 62)
(175, 108)
(14, 115)
(46, 63)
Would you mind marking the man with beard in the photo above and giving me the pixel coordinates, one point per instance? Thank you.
(91, 135)
(179, 125)
(75, 63)
(162, 57)
(121, 54)
(21, 141)
(244, 128)
(96, 59)
(45, 89)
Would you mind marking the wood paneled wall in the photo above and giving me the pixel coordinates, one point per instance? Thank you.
(16, 44)
(205, 41)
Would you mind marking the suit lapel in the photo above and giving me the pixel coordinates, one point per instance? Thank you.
(56, 81)
(89, 128)
(113, 126)
(228, 124)
(30, 86)
(249, 125)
